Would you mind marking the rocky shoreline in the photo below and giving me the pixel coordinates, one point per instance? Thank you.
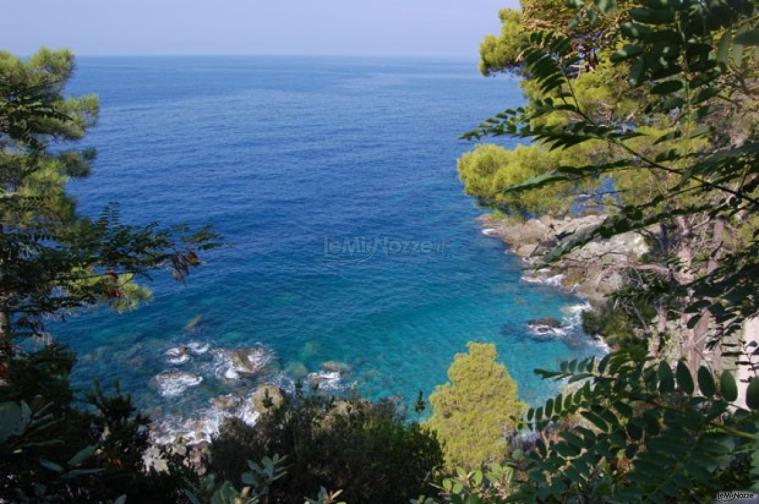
(592, 272)
(251, 377)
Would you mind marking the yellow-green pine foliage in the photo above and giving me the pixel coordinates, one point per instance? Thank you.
(489, 169)
(45, 181)
(472, 413)
(601, 90)
(38, 167)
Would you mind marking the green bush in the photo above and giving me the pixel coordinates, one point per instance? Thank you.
(369, 451)
(51, 451)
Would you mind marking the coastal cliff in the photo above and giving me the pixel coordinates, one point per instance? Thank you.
(592, 271)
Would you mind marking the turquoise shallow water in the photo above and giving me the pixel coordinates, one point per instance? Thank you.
(316, 171)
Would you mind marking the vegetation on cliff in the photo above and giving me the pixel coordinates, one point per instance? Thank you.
(474, 411)
(648, 109)
(668, 140)
(371, 452)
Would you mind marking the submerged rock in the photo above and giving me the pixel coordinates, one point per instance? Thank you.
(336, 367)
(174, 383)
(297, 370)
(193, 324)
(545, 321)
(310, 348)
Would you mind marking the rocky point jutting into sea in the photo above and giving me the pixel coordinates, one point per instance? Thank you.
(592, 271)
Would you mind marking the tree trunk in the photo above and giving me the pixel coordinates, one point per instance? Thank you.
(5, 344)
(690, 350)
(716, 330)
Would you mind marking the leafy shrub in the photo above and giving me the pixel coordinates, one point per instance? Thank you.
(51, 451)
(369, 451)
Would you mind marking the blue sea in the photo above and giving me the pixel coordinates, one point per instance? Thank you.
(347, 234)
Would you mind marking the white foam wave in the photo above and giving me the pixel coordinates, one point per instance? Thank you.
(326, 380)
(206, 423)
(284, 381)
(543, 278)
(174, 383)
(248, 414)
(573, 313)
(578, 308)
(198, 347)
(570, 327)
(179, 359)
(601, 345)
(544, 331)
(231, 364)
(490, 232)
(573, 320)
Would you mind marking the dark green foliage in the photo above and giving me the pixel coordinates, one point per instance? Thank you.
(51, 258)
(44, 373)
(367, 450)
(652, 438)
(257, 481)
(621, 321)
(51, 451)
(52, 261)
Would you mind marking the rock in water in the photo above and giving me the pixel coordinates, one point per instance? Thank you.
(249, 360)
(546, 321)
(174, 383)
(593, 270)
(544, 328)
(178, 355)
(246, 361)
(336, 367)
(227, 403)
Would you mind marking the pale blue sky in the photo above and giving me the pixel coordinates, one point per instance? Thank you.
(348, 27)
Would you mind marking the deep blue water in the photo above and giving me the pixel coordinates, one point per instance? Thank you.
(286, 157)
